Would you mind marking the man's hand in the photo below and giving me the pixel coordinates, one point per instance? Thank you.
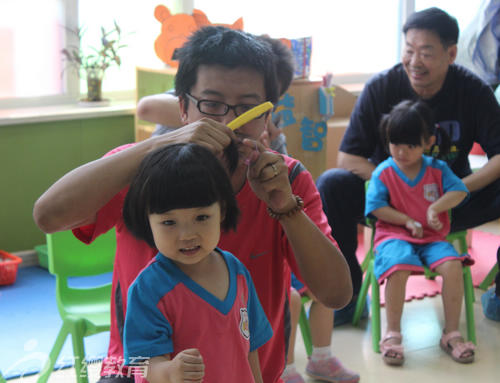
(415, 228)
(268, 177)
(433, 219)
(205, 132)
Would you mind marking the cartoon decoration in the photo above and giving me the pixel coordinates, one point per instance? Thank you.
(175, 30)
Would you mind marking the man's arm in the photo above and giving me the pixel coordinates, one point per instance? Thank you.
(489, 173)
(355, 164)
(321, 264)
(75, 199)
(161, 109)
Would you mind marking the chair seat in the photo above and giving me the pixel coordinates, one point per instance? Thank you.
(84, 310)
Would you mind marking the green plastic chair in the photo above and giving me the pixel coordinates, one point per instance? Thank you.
(305, 329)
(2, 379)
(84, 311)
(488, 280)
(370, 280)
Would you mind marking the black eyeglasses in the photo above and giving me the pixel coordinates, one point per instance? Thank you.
(218, 108)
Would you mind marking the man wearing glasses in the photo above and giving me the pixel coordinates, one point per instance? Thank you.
(222, 73)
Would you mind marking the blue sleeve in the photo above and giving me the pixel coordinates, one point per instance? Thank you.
(450, 181)
(147, 332)
(377, 195)
(260, 328)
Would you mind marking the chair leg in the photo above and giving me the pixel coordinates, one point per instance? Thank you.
(469, 304)
(54, 353)
(488, 280)
(360, 302)
(305, 330)
(375, 311)
(77, 336)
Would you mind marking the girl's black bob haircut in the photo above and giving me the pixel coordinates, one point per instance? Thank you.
(409, 122)
(177, 176)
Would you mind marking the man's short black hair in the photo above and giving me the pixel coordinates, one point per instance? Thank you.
(177, 176)
(437, 21)
(216, 45)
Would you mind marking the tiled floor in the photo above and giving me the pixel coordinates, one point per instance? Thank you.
(425, 361)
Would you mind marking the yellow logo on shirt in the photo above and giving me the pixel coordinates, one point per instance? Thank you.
(244, 326)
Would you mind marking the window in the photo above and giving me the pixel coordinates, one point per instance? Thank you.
(357, 36)
(139, 32)
(30, 38)
(463, 11)
(351, 39)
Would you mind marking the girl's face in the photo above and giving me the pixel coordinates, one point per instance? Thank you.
(409, 157)
(187, 236)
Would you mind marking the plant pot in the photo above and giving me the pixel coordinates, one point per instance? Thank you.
(94, 84)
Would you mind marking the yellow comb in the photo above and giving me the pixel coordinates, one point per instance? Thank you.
(249, 115)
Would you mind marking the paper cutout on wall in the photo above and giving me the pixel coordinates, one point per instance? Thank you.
(313, 132)
(175, 30)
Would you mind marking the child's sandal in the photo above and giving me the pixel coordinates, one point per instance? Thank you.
(392, 354)
(460, 351)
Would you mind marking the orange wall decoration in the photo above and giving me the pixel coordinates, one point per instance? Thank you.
(175, 30)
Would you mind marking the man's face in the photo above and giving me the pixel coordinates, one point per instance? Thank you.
(426, 61)
(236, 86)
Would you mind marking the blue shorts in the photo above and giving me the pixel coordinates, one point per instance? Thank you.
(298, 285)
(395, 254)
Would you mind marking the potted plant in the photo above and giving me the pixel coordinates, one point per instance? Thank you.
(93, 62)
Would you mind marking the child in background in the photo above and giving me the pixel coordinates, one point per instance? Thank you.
(410, 195)
(322, 365)
(193, 313)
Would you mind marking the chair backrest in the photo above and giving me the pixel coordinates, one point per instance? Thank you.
(69, 257)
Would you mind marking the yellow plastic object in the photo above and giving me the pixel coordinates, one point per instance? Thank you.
(84, 311)
(249, 115)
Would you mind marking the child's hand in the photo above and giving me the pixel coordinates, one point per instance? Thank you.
(433, 219)
(187, 366)
(415, 228)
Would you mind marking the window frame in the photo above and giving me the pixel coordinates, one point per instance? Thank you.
(71, 80)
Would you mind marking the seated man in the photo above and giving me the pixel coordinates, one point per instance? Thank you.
(464, 107)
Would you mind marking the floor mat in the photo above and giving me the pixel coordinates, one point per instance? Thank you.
(30, 322)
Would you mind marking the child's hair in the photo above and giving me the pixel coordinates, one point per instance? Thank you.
(411, 121)
(177, 176)
(285, 62)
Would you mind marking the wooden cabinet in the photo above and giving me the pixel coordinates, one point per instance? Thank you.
(151, 81)
(312, 139)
